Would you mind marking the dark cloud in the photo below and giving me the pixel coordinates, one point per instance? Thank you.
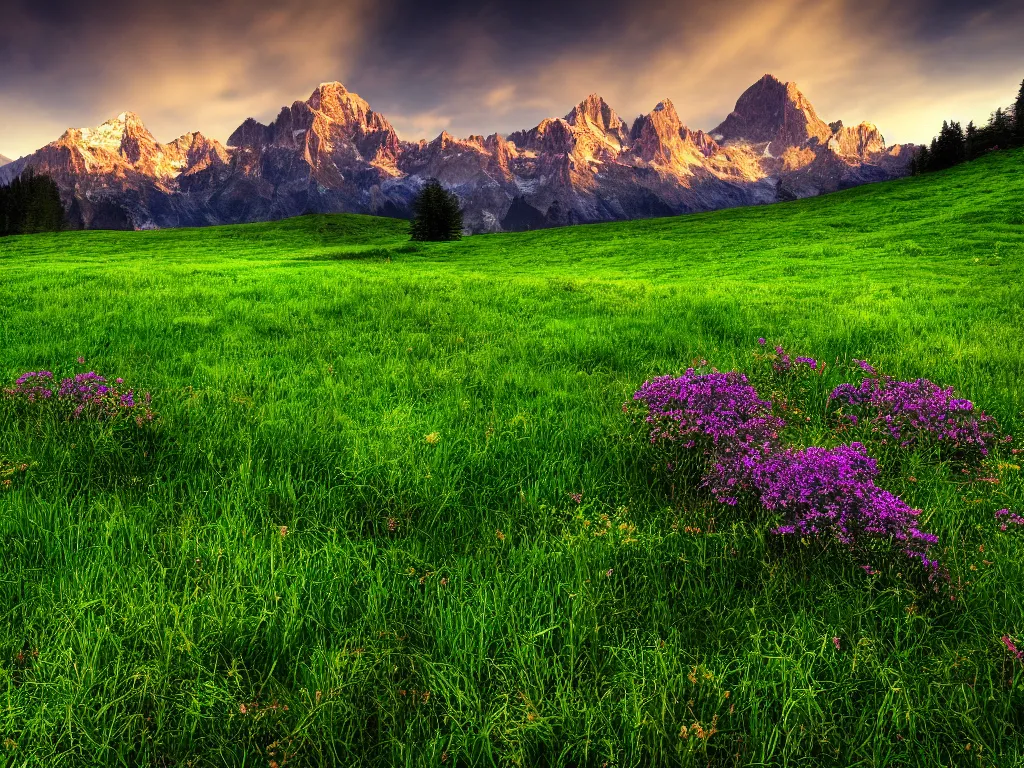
(480, 66)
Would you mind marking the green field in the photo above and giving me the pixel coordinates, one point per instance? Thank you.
(417, 417)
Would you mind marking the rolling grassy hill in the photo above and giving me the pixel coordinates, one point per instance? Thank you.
(349, 537)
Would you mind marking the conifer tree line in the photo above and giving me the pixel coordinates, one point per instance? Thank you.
(956, 144)
(30, 204)
(437, 214)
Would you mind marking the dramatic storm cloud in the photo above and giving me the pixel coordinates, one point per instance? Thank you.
(475, 66)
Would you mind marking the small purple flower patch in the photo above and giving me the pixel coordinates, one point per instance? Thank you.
(707, 410)
(1007, 518)
(910, 413)
(85, 396)
(32, 387)
(785, 363)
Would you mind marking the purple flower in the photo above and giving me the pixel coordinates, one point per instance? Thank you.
(1012, 648)
(784, 363)
(831, 492)
(84, 395)
(816, 492)
(32, 387)
(1008, 518)
(914, 412)
(718, 412)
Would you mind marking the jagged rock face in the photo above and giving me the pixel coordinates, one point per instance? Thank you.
(328, 153)
(861, 141)
(594, 114)
(661, 138)
(552, 136)
(5, 161)
(333, 153)
(118, 176)
(775, 112)
(806, 155)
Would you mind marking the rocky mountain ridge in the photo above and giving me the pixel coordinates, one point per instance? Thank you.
(334, 153)
(5, 161)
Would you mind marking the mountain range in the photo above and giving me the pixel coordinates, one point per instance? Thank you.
(333, 153)
(4, 161)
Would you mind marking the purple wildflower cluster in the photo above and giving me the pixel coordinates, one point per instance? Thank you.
(831, 492)
(913, 412)
(83, 396)
(713, 411)
(32, 387)
(783, 362)
(1007, 518)
(819, 492)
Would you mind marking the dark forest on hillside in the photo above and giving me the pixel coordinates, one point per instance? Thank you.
(956, 144)
(30, 204)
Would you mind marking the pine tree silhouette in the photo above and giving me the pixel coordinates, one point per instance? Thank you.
(1001, 127)
(437, 214)
(1018, 117)
(971, 141)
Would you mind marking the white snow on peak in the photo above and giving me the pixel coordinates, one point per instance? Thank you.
(107, 136)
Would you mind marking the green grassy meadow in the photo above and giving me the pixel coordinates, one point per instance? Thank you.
(349, 538)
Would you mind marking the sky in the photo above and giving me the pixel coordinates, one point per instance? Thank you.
(485, 66)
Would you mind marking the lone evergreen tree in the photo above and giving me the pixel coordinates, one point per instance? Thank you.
(437, 214)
